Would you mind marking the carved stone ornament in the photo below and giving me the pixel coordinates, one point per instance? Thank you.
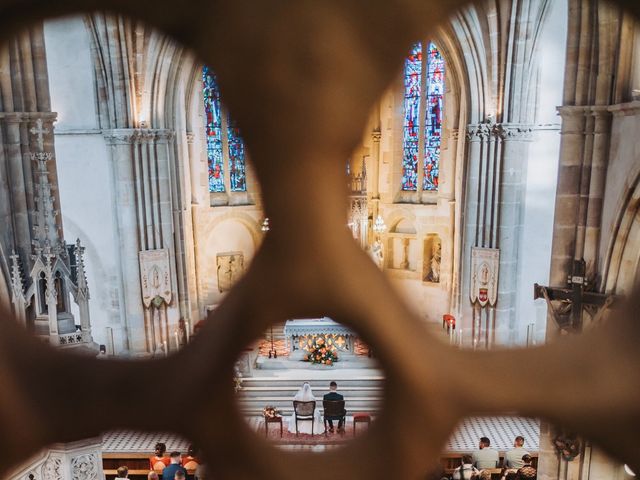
(485, 263)
(84, 467)
(155, 276)
(52, 469)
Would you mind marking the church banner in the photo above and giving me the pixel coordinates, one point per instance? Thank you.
(155, 276)
(485, 263)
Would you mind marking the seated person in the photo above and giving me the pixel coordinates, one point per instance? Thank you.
(159, 461)
(527, 471)
(305, 394)
(333, 395)
(122, 473)
(466, 471)
(175, 468)
(513, 458)
(190, 461)
(485, 457)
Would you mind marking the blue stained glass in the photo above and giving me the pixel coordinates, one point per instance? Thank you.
(411, 122)
(433, 117)
(213, 114)
(237, 173)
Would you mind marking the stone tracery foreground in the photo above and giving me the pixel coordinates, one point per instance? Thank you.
(302, 104)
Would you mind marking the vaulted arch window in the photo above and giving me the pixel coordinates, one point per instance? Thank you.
(225, 148)
(424, 83)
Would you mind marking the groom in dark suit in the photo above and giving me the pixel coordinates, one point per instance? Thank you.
(334, 395)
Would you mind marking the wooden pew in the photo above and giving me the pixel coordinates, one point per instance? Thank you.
(138, 464)
(451, 461)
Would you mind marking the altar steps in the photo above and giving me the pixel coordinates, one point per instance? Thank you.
(362, 394)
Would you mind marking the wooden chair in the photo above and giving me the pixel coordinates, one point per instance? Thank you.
(333, 410)
(304, 412)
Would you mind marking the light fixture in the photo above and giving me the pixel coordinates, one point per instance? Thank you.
(265, 225)
(379, 227)
(628, 471)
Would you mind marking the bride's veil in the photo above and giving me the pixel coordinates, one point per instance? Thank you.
(305, 394)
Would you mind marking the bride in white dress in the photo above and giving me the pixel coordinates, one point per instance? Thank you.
(305, 394)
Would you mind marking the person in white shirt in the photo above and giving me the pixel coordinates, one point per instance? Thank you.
(485, 457)
(466, 471)
(513, 458)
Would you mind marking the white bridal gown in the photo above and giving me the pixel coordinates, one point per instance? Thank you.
(305, 394)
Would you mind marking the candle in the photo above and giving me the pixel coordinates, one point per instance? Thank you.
(187, 327)
(175, 336)
(460, 338)
(166, 351)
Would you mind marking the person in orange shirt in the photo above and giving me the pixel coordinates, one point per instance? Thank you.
(190, 461)
(159, 461)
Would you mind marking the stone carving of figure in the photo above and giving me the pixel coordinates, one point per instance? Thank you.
(377, 254)
(434, 267)
(182, 333)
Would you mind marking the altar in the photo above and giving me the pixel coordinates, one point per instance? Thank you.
(309, 333)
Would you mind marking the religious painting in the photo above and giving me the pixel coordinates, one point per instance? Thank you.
(155, 277)
(230, 269)
(485, 263)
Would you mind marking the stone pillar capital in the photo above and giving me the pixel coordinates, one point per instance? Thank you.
(479, 131)
(165, 136)
(513, 131)
(120, 136)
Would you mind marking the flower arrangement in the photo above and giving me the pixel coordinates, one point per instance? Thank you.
(567, 446)
(270, 412)
(322, 355)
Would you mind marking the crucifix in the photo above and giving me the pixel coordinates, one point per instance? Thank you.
(574, 298)
(40, 132)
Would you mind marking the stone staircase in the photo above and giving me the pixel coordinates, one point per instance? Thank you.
(362, 394)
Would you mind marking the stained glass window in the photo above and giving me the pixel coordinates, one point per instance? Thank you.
(213, 114)
(237, 174)
(411, 123)
(215, 147)
(415, 110)
(433, 117)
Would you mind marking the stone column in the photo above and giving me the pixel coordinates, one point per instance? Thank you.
(496, 170)
(600, 150)
(513, 141)
(189, 241)
(376, 135)
(477, 147)
(122, 142)
(163, 141)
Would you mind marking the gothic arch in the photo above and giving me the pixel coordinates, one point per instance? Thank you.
(622, 266)
(243, 218)
(478, 53)
(399, 215)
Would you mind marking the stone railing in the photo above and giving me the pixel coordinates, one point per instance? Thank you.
(81, 460)
(71, 338)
